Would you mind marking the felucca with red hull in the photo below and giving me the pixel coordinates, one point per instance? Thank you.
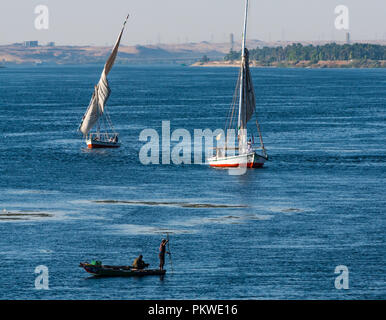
(96, 116)
(244, 154)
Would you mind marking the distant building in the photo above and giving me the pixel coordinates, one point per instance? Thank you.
(232, 40)
(348, 37)
(30, 44)
(50, 44)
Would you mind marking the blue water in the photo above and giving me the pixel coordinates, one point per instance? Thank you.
(318, 203)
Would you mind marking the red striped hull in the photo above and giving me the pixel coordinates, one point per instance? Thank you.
(93, 144)
(234, 165)
(252, 159)
(98, 146)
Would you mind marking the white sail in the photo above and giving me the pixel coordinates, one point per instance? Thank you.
(101, 92)
(91, 116)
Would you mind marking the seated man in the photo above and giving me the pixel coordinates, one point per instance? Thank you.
(139, 263)
(114, 139)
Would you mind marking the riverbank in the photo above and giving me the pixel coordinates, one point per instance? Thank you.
(299, 64)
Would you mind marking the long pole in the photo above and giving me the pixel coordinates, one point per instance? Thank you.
(242, 66)
(170, 254)
(261, 139)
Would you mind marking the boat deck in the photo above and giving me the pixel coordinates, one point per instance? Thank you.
(119, 271)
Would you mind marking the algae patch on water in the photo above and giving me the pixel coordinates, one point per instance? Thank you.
(23, 215)
(170, 203)
(290, 210)
(132, 229)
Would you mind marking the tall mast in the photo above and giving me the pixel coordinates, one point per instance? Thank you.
(245, 29)
(243, 62)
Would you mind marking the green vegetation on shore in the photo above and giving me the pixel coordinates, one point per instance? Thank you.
(355, 55)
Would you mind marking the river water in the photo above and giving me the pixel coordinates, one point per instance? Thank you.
(273, 233)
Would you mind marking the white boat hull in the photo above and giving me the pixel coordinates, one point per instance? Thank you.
(252, 160)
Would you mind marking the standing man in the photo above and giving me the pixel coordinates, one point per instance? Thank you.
(162, 251)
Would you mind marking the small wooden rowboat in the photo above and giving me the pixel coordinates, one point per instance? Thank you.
(119, 271)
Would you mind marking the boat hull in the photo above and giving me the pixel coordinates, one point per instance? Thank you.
(120, 271)
(96, 144)
(252, 160)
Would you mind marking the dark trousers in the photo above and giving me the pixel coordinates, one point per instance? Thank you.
(161, 261)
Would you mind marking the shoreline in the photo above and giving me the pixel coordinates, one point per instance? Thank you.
(299, 64)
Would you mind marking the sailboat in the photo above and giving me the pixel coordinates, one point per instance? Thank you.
(96, 114)
(244, 154)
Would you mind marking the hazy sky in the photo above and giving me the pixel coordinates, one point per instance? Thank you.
(97, 22)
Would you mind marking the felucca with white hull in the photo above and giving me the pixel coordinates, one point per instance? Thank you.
(96, 115)
(244, 154)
